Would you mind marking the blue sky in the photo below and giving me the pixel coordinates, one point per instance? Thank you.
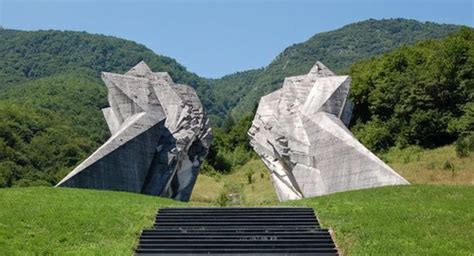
(214, 38)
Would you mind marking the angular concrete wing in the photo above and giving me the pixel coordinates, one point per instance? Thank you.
(160, 136)
(300, 134)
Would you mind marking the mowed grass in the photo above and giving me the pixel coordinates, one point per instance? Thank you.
(396, 220)
(400, 220)
(41, 220)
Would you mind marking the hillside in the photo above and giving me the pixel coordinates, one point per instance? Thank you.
(418, 95)
(250, 184)
(337, 49)
(47, 126)
(398, 220)
(33, 54)
(414, 108)
(431, 166)
(28, 55)
(51, 93)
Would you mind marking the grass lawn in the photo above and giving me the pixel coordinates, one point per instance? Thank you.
(41, 220)
(400, 220)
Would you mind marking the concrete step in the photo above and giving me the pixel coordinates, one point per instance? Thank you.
(236, 231)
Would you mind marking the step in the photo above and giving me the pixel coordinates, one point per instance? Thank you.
(236, 231)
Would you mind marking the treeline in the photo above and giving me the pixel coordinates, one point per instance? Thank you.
(420, 95)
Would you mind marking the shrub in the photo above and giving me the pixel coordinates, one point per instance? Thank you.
(431, 165)
(374, 135)
(223, 199)
(448, 165)
(464, 146)
(249, 175)
(6, 174)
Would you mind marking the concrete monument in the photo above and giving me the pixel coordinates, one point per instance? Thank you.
(300, 132)
(160, 136)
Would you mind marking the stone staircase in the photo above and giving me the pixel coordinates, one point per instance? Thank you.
(236, 231)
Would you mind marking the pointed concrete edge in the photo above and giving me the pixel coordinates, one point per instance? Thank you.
(326, 107)
(140, 100)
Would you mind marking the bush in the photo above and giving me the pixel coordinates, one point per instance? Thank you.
(223, 199)
(207, 169)
(448, 165)
(249, 175)
(464, 146)
(431, 166)
(374, 135)
(6, 174)
(230, 148)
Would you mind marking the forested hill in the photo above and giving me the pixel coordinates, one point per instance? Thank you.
(51, 93)
(337, 49)
(30, 55)
(26, 55)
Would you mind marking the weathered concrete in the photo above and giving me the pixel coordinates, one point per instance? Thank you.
(300, 133)
(160, 136)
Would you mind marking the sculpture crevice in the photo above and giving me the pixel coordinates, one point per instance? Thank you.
(300, 132)
(160, 136)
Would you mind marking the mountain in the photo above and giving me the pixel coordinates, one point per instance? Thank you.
(51, 93)
(30, 55)
(26, 55)
(337, 49)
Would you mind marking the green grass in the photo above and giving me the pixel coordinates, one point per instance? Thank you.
(41, 220)
(401, 220)
(417, 219)
(432, 166)
(417, 165)
(257, 190)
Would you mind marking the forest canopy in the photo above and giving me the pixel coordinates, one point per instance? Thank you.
(420, 95)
